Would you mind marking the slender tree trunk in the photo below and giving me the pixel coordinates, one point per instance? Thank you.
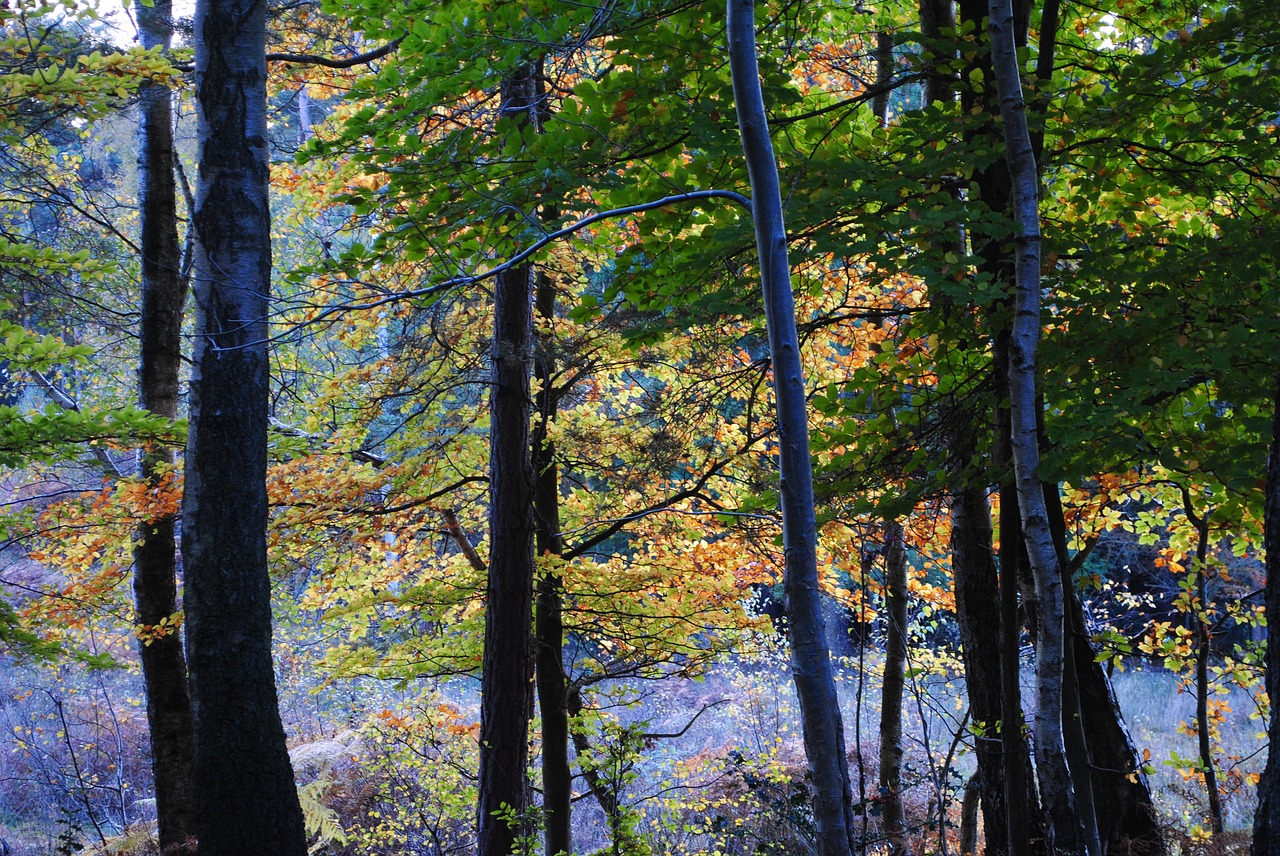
(164, 292)
(1266, 820)
(895, 671)
(1011, 806)
(246, 801)
(506, 704)
(1079, 761)
(810, 658)
(1201, 522)
(304, 115)
(1026, 830)
(557, 778)
(1054, 774)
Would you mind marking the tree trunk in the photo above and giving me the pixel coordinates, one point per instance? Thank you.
(1019, 829)
(164, 667)
(557, 778)
(1201, 522)
(810, 658)
(935, 17)
(246, 801)
(1126, 816)
(507, 674)
(895, 670)
(1054, 774)
(978, 613)
(884, 76)
(1266, 820)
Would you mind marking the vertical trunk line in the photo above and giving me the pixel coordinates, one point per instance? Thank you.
(1055, 776)
(507, 674)
(246, 800)
(810, 658)
(164, 666)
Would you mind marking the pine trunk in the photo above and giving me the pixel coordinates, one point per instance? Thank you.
(245, 800)
(810, 658)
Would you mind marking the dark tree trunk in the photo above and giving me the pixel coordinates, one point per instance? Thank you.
(1023, 821)
(884, 75)
(978, 613)
(507, 674)
(1266, 820)
(1127, 820)
(164, 667)
(935, 17)
(810, 658)
(895, 671)
(557, 778)
(246, 801)
(1126, 816)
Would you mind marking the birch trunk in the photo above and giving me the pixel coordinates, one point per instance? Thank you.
(810, 658)
(1055, 777)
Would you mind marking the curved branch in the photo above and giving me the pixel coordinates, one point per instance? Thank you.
(523, 255)
(327, 62)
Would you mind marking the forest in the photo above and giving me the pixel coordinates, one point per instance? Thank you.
(652, 427)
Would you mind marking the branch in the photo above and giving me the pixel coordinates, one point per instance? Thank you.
(316, 59)
(519, 258)
(66, 402)
(688, 725)
(360, 455)
(455, 531)
(358, 59)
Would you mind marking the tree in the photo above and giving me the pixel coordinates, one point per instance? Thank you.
(1055, 777)
(1266, 821)
(245, 799)
(506, 684)
(810, 659)
(164, 288)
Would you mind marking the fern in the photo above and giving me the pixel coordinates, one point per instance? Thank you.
(322, 821)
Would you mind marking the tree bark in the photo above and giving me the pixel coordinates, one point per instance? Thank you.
(810, 658)
(1055, 776)
(1126, 815)
(507, 673)
(895, 671)
(246, 801)
(978, 613)
(164, 667)
(884, 76)
(1266, 819)
(557, 778)
(936, 16)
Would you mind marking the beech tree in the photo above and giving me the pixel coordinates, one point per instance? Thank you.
(506, 685)
(164, 667)
(245, 798)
